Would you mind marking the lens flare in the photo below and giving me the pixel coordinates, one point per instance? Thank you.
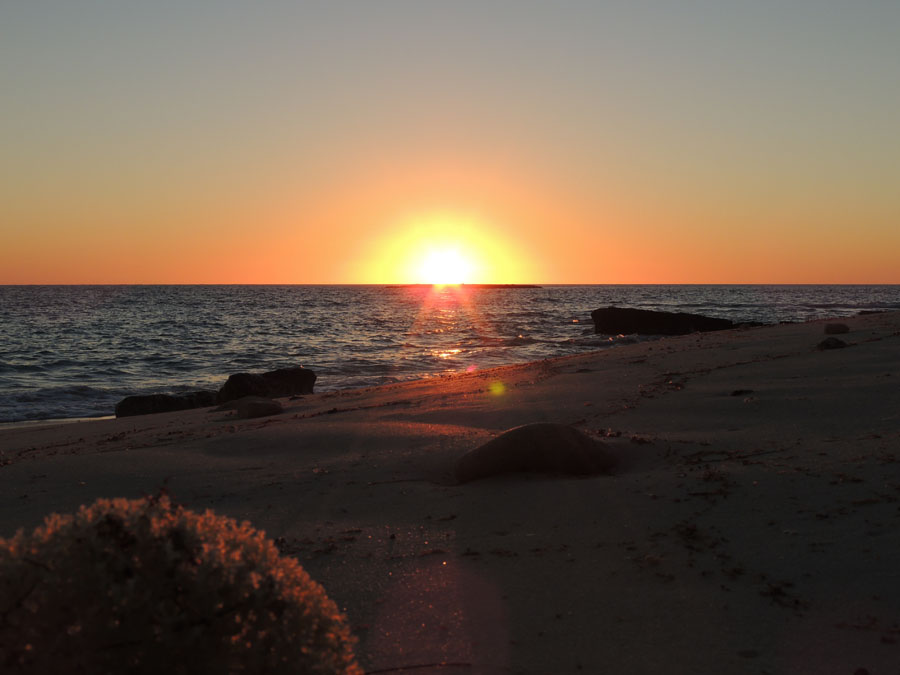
(497, 388)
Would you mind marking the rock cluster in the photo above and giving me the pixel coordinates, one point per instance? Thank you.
(281, 382)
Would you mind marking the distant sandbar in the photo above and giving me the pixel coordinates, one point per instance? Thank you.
(465, 285)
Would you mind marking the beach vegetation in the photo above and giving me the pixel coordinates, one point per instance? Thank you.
(146, 585)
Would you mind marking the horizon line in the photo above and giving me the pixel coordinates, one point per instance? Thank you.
(470, 285)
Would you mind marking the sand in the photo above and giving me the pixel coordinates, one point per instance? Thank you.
(753, 525)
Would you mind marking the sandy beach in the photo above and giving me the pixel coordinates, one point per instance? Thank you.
(751, 527)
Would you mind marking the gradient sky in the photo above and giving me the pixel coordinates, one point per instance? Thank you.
(550, 142)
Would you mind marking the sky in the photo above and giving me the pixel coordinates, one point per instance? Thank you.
(376, 141)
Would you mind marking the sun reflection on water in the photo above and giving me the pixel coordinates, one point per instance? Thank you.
(448, 308)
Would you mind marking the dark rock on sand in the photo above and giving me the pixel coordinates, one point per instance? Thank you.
(249, 407)
(545, 448)
(836, 328)
(626, 320)
(831, 343)
(281, 382)
(160, 403)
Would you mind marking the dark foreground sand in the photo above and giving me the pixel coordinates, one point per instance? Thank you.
(754, 526)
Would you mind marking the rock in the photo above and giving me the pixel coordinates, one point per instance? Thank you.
(546, 448)
(836, 328)
(831, 343)
(160, 403)
(282, 382)
(255, 406)
(627, 320)
(249, 407)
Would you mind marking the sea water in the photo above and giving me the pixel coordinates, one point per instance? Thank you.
(74, 351)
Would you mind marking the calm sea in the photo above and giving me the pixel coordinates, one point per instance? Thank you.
(74, 351)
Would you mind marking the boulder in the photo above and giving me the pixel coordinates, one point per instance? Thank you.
(627, 321)
(831, 343)
(281, 382)
(160, 403)
(836, 328)
(544, 448)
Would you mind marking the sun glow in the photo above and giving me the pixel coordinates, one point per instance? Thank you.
(446, 249)
(444, 267)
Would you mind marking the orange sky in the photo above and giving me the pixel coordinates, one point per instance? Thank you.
(320, 145)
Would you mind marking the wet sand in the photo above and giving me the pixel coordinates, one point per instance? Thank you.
(752, 526)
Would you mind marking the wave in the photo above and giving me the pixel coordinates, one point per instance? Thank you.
(853, 306)
(518, 341)
(58, 402)
(20, 368)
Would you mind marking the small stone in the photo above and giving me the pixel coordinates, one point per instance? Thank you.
(831, 343)
(836, 328)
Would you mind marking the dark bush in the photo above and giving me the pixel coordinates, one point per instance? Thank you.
(147, 586)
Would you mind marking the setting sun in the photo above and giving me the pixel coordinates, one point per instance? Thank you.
(445, 266)
(446, 248)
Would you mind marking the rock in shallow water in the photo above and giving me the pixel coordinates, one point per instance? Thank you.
(543, 447)
(281, 382)
(627, 321)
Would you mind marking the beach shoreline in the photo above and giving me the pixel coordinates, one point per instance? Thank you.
(750, 528)
(75, 352)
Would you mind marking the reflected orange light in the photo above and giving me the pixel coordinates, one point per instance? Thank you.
(448, 303)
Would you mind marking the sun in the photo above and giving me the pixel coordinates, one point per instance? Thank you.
(445, 266)
(443, 248)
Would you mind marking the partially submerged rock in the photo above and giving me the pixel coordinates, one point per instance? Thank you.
(159, 403)
(543, 447)
(627, 321)
(281, 382)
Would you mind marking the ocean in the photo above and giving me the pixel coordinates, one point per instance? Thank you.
(74, 351)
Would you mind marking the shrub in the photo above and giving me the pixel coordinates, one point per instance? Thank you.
(147, 586)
